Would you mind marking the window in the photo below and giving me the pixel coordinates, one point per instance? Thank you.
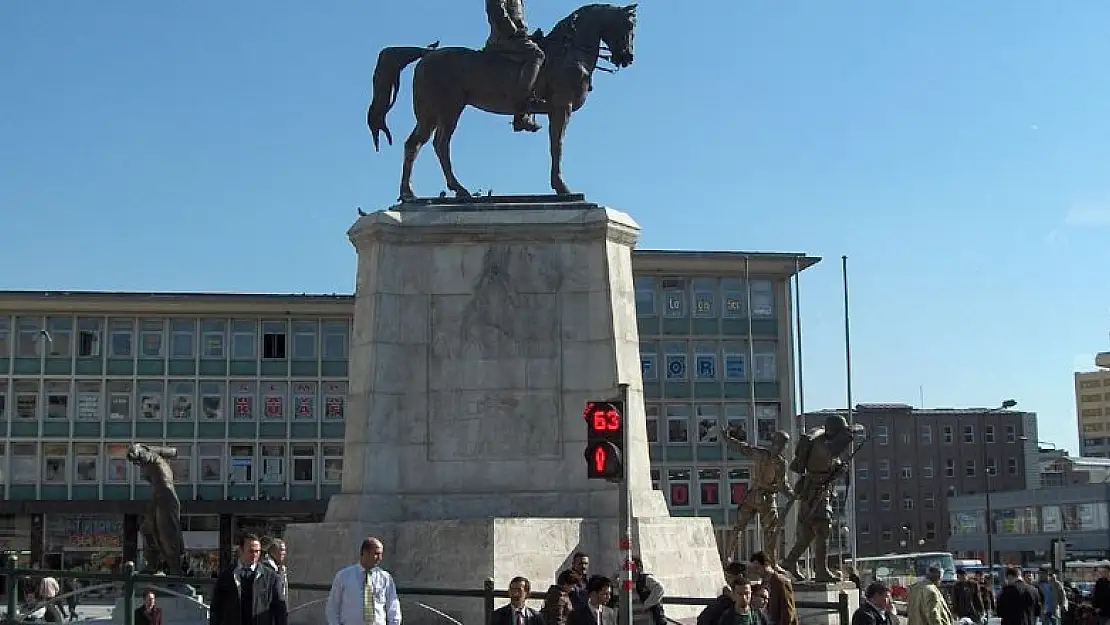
(213, 337)
(1012, 465)
(30, 332)
(882, 435)
(88, 338)
(884, 501)
(907, 503)
(733, 298)
(151, 393)
(244, 333)
(930, 530)
(212, 401)
(992, 466)
(122, 333)
(26, 400)
(274, 338)
(304, 401)
(709, 487)
(152, 338)
(907, 472)
(969, 434)
(705, 295)
(928, 500)
(862, 470)
(766, 422)
(651, 414)
(86, 459)
(705, 362)
(738, 485)
(969, 468)
(335, 401)
(211, 462)
(61, 337)
(273, 400)
(333, 462)
(674, 297)
(54, 463)
(243, 397)
(988, 434)
(3, 413)
(24, 467)
(648, 358)
(735, 363)
(656, 479)
(273, 463)
(182, 394)
(304, 340)
(1011, 434)
(117, 469)
(678, 423)
(57, 400)
(119, 400)
(864, 529)
(674, 360)
(887, 535)
(304, 462)
(182, 464)
(5, 348)
(927, 434)
(764, 363)
(678, 487)
(763, 298)
(242, 463)
(884, 469)
(949, 468)
(183, 339)
(335, 340)
(645, 297)
(737, 420)
(89, 406)
(863, 503)
(927, 471)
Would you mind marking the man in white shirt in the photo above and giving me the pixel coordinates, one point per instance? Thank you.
(364, 593)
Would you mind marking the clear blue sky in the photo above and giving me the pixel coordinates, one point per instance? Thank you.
(958, 153)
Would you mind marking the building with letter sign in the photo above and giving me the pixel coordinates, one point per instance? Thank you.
(251, 390)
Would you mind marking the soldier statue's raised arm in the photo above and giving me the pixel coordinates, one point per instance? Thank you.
(768, 480)
(509, 37)
(163, 543)
(820, 458)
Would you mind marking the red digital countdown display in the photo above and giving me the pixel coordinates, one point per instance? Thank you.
(604, 440)
(603, 418)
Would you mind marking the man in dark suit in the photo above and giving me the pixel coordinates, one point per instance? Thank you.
(1016, 605)
(599, 590)
(875, 609)
(517, 612)
(248, 593)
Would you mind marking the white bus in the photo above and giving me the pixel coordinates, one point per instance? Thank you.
(900, 570)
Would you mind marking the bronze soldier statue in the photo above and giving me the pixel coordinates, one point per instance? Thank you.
(164, 546)
(768, 480)
(509, 37)
(817, 459)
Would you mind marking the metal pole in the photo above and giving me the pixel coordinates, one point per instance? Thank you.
(800, 424)
(624, 512)
(851, 491)
(753, 420)
(12, 587)
(990, 531)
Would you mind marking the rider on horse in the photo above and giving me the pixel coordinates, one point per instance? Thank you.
(509, 36)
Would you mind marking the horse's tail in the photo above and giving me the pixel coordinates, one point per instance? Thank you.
(387, 82)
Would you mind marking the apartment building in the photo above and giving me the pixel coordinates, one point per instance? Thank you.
(251, 390)
(915, 459)
(1092, 409)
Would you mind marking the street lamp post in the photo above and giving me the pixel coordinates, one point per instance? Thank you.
(988, 473)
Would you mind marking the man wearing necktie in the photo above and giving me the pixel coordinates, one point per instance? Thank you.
(517, 612)
(596, 611)
(246, 593)
(364, 593)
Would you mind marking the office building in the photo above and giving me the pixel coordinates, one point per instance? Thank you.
(913, 459)
(1025, 522)
(1092, 409)
(251, 391)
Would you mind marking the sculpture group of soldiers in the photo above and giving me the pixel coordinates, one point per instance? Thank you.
(819, 461)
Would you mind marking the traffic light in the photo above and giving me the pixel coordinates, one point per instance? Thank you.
(604, 440)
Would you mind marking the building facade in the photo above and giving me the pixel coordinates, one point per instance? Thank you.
(914, 459)
(1026, 522)
(1092, 410)
(251, 390)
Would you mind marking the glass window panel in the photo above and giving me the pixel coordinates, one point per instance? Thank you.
(151, 394)
(678, 423)
(678, 487)
(182, 393)
(86, 458)
(26, 400)
(117, 469)
(24, 463)
(5, 336)
(273, 400)
(119, 400)
(304, 401)
(57, 400)
(121, 338)
(60, 341)
(30, 338)
(273, 463)
(244, 335)
(336, 340)
(183, 339)
(304, 340)
(243, 397)
(212, 400)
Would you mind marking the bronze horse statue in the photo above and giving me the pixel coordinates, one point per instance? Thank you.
(447, 80)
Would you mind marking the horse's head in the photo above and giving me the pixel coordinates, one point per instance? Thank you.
(618, 31)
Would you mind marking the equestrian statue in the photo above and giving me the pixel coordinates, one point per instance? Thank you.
(517, 73)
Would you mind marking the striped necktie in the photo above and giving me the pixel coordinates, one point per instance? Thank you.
(368, 600)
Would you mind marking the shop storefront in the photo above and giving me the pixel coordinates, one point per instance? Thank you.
(84, 542)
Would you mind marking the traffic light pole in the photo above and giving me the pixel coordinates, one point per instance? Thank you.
(624, 518)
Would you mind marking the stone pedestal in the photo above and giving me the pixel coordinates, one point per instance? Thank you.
(480, 331)
(831, 593)
(175, 611)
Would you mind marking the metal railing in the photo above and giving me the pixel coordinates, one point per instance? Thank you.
(131, 581)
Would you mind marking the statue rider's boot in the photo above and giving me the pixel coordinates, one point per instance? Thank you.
(821, 571)
(525, 122)
(790, 564)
